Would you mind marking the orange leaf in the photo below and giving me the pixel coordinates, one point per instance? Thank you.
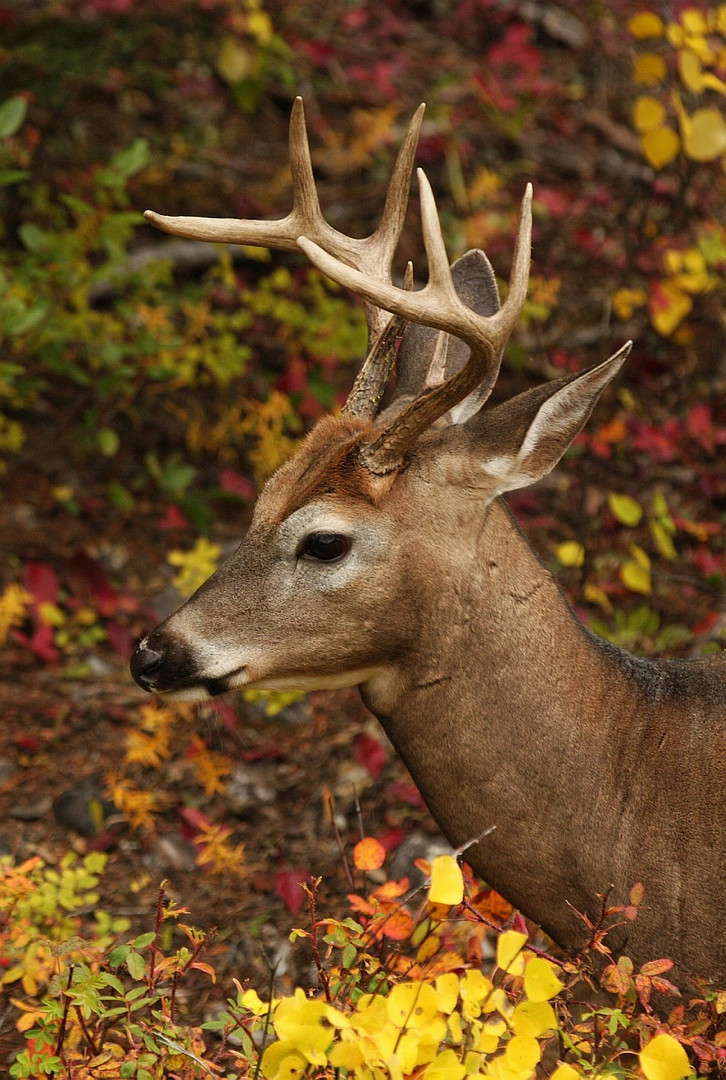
(656, 967)
(369, 854)
(398, 926)
(637, 893)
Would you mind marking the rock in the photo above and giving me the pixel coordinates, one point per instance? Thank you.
(248, 788)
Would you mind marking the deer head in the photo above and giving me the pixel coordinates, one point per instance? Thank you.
(323, 591)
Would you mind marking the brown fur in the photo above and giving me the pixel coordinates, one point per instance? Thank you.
(326, 462)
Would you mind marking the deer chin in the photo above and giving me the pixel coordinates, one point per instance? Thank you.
(242, 679)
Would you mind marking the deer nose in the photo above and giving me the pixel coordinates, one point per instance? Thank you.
(145, 664)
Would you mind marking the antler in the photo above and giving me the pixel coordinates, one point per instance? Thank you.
(372, 255)
(437, 305)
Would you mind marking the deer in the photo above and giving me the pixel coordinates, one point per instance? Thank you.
(383, 556)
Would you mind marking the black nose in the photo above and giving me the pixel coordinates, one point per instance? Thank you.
(145, 664)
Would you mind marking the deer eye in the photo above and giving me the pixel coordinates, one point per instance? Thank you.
(325, 547)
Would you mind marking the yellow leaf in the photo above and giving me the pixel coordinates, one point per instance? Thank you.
(649, 69)
(712, 82)
(660, 146)
(540, 980)
(625, 301)
(691, 70)
(476, 993)
(694, 21)
(299, 1023)
(565, 1072)
(445, 1067)
(447, 992)
(645, 25)
(509, 951)
(668, 308)
(570, 553)
(346, 1055)
(259, 27)
(661, 535)
(447, 882)
(706, 139)
(664, 1059)
(522, 1052)
(195, 566)
(281, 1061)
(412, 1005)
(533, 1018)
(626, 509)
(234, 60)
(635, 574)
(648, 113)
(596, 595)
(13, 603)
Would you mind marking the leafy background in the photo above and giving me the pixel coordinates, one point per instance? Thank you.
(148, 386)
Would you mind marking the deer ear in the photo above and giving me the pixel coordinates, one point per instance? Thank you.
(476, 285)
(526, 436)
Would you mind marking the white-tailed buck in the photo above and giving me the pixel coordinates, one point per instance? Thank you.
(382, 556)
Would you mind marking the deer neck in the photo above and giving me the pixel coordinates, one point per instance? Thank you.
(501, 714)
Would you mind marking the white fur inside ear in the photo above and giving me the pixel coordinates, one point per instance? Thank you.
(558, 415)
(566, 411)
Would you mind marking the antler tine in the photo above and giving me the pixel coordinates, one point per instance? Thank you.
(372, 255)
(437, 305)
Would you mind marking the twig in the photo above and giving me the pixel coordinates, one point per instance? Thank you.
(339, 841)
(322, 973)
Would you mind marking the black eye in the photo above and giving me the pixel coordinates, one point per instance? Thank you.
(325, 547)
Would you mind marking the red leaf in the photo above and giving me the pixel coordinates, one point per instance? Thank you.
(288, 887)
(194, 818)
(41, 580)
(28, 744)
(392, 838)
(519, 924)
(88, 575)
(643, 987)
(405, 793)
(370, 754)
(172, 520)
(238, 485)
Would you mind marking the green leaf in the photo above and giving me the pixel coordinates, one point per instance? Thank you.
(34, 238)
(12, 114)
(108, 441)
(144, 940)
(12, 176)
(136, 965)
(132, 159)
(118, 955)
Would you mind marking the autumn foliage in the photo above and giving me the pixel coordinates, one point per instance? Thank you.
(147, 392)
